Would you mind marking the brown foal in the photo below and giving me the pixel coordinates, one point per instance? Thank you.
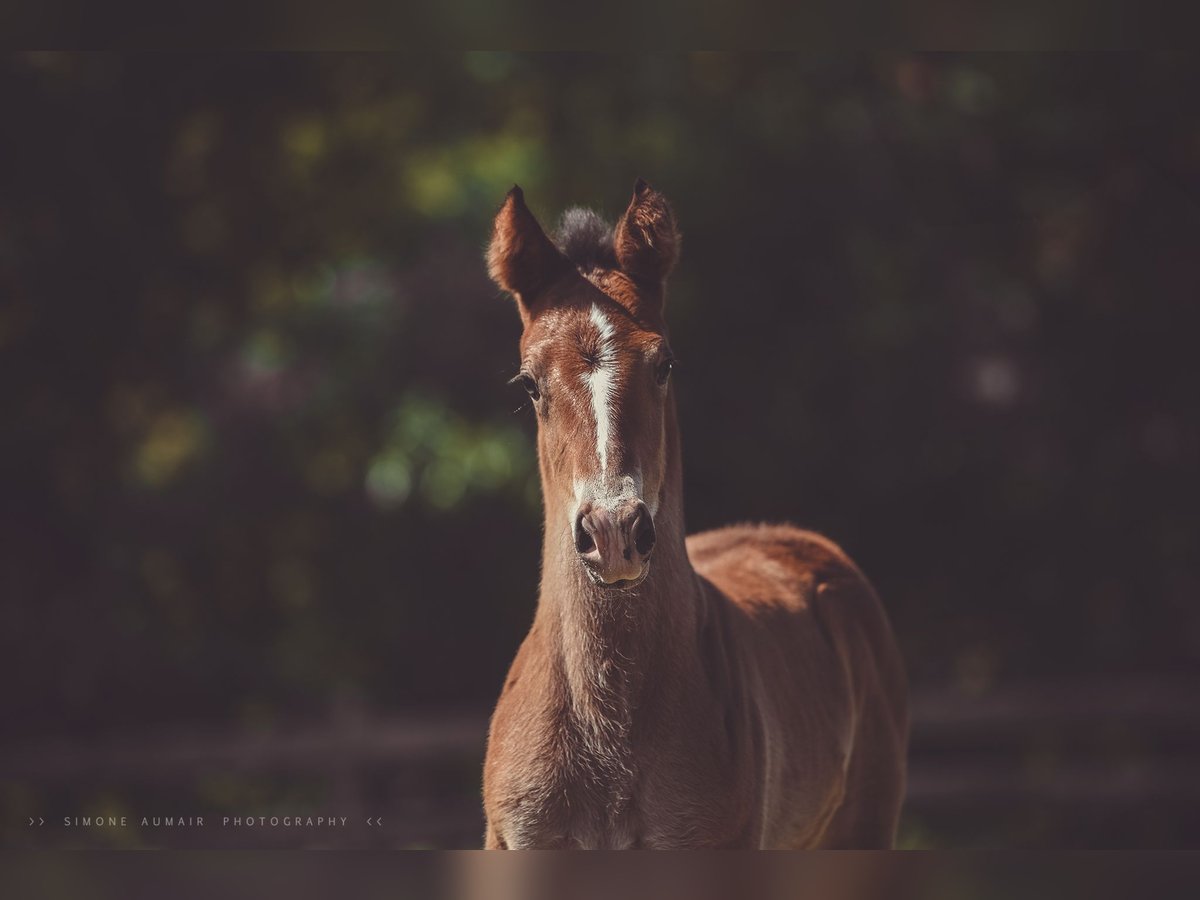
(738, 688)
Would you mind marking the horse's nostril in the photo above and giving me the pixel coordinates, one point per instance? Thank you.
(583, 541)
(643, 534)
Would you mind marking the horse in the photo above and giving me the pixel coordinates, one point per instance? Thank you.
(739, 688)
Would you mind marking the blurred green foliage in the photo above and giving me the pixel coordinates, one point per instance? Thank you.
(258, 443)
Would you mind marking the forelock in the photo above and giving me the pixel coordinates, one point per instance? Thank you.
(586, 240)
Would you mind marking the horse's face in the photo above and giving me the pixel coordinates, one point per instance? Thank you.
(596, 363)
(599, 384)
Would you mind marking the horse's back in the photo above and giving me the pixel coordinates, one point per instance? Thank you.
(779, 572)
(759, 565)
(823, 648)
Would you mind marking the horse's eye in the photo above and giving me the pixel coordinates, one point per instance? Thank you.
(530, 386)
(664, 370)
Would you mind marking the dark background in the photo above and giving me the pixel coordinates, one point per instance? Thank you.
(262, 473)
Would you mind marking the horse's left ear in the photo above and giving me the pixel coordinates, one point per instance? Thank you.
(647, 241)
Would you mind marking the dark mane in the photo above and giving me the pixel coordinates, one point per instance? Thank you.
(586, 240)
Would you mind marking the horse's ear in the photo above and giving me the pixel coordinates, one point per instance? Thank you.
(647, 241)
(520, 258)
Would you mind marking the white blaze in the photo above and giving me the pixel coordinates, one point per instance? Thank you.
(601, 382)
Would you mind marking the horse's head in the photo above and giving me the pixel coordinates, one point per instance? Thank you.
(596, 362)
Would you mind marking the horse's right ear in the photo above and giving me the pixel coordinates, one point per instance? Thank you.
(520, 258)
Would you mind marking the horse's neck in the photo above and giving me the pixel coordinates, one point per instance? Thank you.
(604, 642)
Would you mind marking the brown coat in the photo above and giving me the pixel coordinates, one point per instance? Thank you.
(747, 692)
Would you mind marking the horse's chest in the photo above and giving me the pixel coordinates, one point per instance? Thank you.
(590, 798)
(581, 795)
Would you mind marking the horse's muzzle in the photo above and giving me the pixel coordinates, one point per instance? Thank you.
(615, 542)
